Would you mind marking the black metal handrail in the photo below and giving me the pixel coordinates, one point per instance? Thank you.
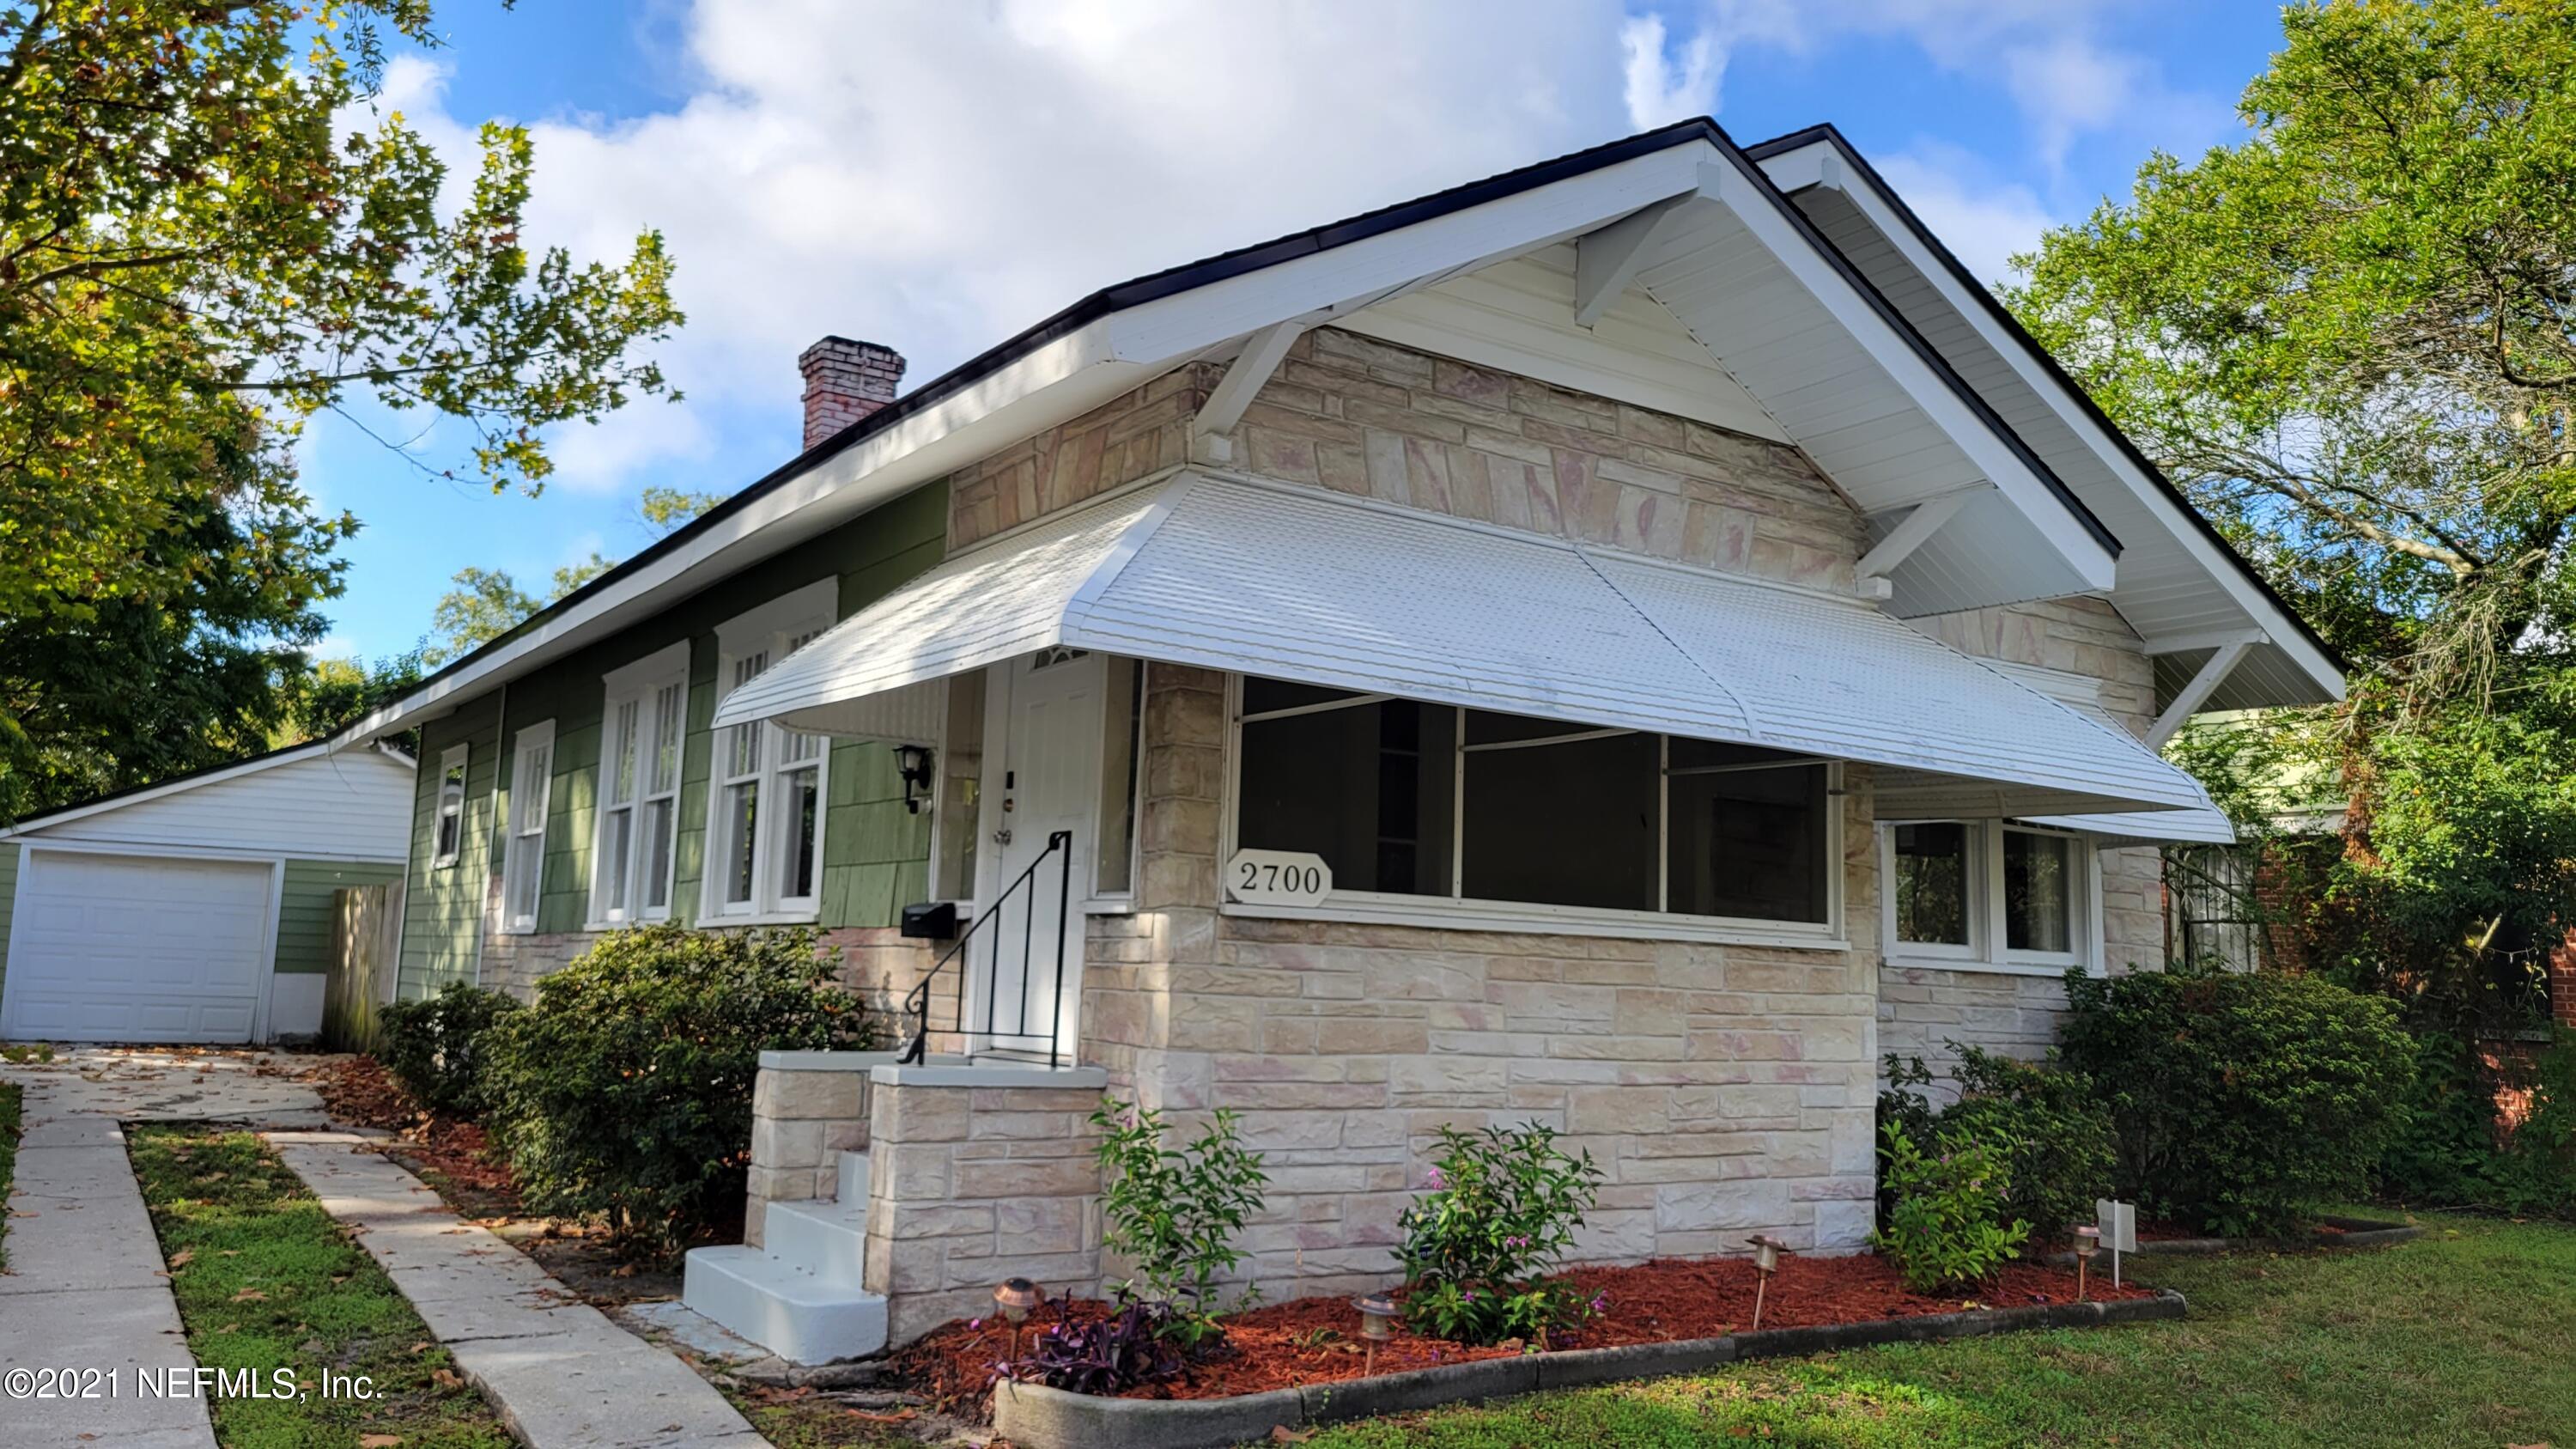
(916, 1003)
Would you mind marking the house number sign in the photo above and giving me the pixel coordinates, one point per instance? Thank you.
(1277, 878)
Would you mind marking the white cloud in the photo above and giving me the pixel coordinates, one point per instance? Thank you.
(1657, 89)
(937, 177)
(1983, 220)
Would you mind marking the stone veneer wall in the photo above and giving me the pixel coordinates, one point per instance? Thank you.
(1725, 1090)
(969, 1184)
(1923, 1008)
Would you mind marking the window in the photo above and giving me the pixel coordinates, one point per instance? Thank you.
(523, 852)
(2039, 893)
(451, 807)
(1934, 882)
(1987, 892)
(643, 730)
(1122, 718)
(1411, 800)
(765, 816)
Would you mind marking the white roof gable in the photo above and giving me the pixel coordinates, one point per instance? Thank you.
(302, 802)
(1792, 344)
(2184, 591)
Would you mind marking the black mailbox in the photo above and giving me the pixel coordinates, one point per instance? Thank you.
(931, 920)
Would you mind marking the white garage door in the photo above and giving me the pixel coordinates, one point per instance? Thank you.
(131, 948)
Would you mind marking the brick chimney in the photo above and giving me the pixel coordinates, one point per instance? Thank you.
(844, 382)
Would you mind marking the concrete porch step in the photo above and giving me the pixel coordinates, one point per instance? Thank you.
(826, 1239)
(784, 1309)
(854, 1178)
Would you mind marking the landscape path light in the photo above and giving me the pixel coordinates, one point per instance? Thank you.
(1014, 1299)
(1766, 1261)
(2088, 1241)
(1377, 1324)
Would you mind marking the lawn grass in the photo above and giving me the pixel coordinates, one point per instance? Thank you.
(266, 1280)
(13, 1101)
(2458, 1338)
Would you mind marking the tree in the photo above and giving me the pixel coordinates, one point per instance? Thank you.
(208, 234)
(333, 694)
(2351, 338)
(135, 689)
(665, 510)
(488, 603)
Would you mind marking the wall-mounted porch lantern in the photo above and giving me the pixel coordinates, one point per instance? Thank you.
(913, 763)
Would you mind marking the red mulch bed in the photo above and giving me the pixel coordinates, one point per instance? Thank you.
(1315, 1340)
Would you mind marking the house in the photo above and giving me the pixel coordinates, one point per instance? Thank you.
(1625, 642)
(198, 909)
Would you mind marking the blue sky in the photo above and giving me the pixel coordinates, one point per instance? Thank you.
(935, 176)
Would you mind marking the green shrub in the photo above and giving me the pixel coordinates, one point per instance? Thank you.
(625, 1091)
(437, 1047)
(1503, 1207)
(2450, 1151)
(2240, 1103)
(1946, 1223)
(1174, 1213)
(2442, 1152)
(2052, 1129)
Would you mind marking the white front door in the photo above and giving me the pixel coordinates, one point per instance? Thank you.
(138, 948)
(1045, 780)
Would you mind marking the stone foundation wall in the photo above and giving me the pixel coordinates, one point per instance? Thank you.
(977, 1174)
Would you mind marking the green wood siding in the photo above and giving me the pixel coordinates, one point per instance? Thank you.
(876, 855)
(10, 850)
(310, 905)
(443, 906)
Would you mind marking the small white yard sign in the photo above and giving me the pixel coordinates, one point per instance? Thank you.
(1278, 878)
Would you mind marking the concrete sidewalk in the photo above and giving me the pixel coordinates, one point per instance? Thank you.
(560, 1373)
(85, 1291)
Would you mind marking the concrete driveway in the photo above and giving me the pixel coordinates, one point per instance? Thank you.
(85, 1290)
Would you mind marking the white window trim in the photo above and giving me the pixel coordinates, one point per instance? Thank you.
(460, 759)
(639, 683)
(770, 628)
(1986, 952)
(1121, 903)
(540, 735)
(1466, 913)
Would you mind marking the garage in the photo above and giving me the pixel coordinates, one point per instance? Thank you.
(196, 910)
(131, 948)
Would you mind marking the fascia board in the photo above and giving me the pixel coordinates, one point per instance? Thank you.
(1359, 272)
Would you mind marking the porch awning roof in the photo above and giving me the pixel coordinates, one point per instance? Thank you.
(1298, 584)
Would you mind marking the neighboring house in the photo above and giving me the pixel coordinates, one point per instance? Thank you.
(1625, 642)
(199, 909)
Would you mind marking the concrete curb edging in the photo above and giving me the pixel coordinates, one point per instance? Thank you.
(1037, 1417)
